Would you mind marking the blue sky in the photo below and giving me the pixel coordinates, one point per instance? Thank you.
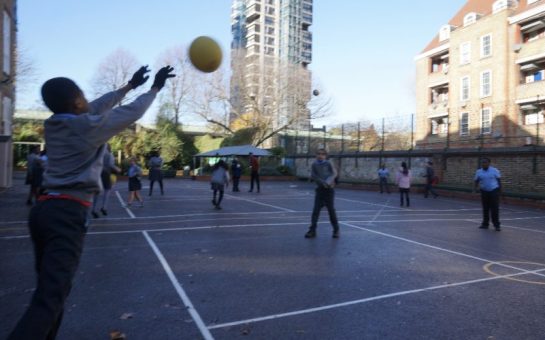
(363, 52)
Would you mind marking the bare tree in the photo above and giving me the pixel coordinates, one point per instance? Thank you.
(114, 72)
(268, 100)
(178, 92)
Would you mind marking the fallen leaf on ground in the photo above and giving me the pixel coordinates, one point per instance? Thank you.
(126, 316)
(117, 335)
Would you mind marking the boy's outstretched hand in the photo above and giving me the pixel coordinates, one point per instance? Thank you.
(138, 77)
(162, 76)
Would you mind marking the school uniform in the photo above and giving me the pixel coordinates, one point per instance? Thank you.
(134, 178)
(404, 184)
(155, 174)
(383, 175)
(489, 182)
(75, 148)
(236, 170)
(218, 180)
(323, 174)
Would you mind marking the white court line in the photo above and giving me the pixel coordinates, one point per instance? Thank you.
(374, 298)
(124, 205)
(179, 229)
(260, 224)
(260, 203)
(434, 247)
(511, 227)
(185, 299)
(275, 212)
(363, 202)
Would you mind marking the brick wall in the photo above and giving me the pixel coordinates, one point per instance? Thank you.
(523, 170)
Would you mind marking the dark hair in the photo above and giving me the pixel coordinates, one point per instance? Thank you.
(59, 94)
(405, 168)
(485, 159)
(221, 164)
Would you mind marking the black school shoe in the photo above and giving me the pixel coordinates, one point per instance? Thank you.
(95, 214)
(483, 226)
(310, 234)
(104, 212)
(498, 228)
(335, 233)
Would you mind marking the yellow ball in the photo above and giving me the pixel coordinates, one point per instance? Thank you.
(205, 54)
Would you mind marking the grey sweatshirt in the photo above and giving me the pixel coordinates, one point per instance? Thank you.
(76, 143)
(321, 172)
(220, 176)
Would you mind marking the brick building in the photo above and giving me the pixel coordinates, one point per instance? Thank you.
(481, 80)
(8, 23)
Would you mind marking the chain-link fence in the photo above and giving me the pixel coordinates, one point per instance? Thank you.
(480, 127)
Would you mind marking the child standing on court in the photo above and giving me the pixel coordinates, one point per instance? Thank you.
(403, 180)
(135, 185)
(75, 136)
(323, 173)
(155, 174)
(219, 180)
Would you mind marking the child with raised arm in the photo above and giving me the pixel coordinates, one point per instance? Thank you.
(75, 137)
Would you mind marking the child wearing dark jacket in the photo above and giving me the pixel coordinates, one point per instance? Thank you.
(323, 173)
(75, 136)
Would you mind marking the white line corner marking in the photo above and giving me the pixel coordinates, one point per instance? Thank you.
(185, 299)
(124, 205)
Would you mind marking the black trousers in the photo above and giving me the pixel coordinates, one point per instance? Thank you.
(57, 228)
(402, 192)
(383, 182)
(254, 177)
(491, 207)
(236, 180)
(428, 189)
(324, 197)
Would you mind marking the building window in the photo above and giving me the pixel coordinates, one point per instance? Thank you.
(470, 18)
(464, 124)
(444, 32)
(531, 114)
(532, 72)
(486, 84)
(465, 88)
(269, 20)
(439, 95)
(270, 30)
(440, 63)
(486, 46)
(500, 5)
(486, 120)
(465, 53)
(439, 125)
(6, 35)
(533, 29)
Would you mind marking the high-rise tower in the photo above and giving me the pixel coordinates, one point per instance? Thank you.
(271, 51)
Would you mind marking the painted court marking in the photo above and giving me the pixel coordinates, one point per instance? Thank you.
(124, 205)
(181, 292)
(435, 247)
(374, 298)
(260, 203)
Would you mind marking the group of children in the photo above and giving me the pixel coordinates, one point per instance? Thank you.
(79, 164)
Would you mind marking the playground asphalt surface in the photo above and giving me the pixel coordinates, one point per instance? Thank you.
(179, 269)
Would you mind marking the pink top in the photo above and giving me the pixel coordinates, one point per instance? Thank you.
(403, 181)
